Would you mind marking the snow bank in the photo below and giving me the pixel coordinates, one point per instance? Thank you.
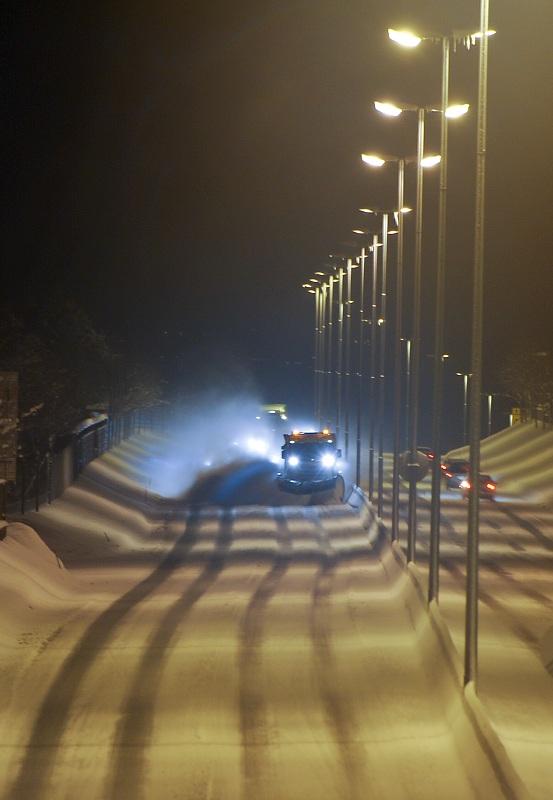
(520, 459)
(33, 581)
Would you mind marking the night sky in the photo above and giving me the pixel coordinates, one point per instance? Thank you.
(182, 167)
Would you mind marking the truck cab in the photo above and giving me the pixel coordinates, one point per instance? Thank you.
(311, 461)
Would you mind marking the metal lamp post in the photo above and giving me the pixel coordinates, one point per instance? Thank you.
(408, 39)
(340, 353)
(381, 327)
(360, 366)
(465, 376)
(315, 290)
(446, 111)
(473, 534)
(330, 353)
(347, 359)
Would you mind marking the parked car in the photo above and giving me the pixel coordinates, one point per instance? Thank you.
(454, 472)
(486, 487)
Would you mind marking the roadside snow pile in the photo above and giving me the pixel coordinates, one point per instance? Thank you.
(109, 511)
(32, 579)
(520, 459)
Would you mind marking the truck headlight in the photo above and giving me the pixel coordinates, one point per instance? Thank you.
(328, 460)
(293, 461)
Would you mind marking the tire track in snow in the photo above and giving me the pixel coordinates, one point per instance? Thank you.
(136, 724)
(48, 729)
(504, 612)
(251, 702)
(544, 540)
(339, 716)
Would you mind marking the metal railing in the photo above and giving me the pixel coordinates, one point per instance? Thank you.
(43, 477)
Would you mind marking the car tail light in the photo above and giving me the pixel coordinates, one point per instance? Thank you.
(464, 485)
(430, 456)
(449, 474)
(443, 466)
(490, 486)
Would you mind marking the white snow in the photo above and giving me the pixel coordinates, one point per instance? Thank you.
(520, 459)
(227, 673)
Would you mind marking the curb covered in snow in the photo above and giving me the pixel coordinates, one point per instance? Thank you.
(474, 711)
(509, 778)
(360, 502)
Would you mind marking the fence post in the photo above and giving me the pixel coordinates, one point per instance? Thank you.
(23, 484)
(49, 476)
(3, 485)
(37, 482)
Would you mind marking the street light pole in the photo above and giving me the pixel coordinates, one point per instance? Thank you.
(316, 349)
(330, 360)
(437, 398)
(340, 353)
(465, 376)
(490, 401)
(382, 364)
(407, 388)
(473, 534)
(414, 384)
(361, 351)
(397, 354)
(372, 367)
(322, 414)
(347, 360)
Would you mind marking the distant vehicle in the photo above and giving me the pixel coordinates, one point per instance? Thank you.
(486, 487)
(265, 438)
(311, 461)
(454, 472)
(426, 451)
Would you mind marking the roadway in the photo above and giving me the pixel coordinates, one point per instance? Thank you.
(260, 651)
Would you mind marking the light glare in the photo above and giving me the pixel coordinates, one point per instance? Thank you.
(404, 38)
(453, 112)
(389, 109)
(430, 161)
(478, 34)
(372, 161)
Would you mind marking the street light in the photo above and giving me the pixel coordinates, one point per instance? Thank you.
(322, 357)
(385, 214)
(378, 161)
(316, 291)
(489, 398)
(416, 338)
(347, 358)
(404, 38)
(410, 39)
(465, 376)
(473, 532)
(361, 351)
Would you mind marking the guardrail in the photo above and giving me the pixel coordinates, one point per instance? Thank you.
(41, 479)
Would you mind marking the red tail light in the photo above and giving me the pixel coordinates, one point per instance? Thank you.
(449, 474)
(490, 486)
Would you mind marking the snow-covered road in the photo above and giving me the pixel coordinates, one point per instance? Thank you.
(200, 650)
(269, 654)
